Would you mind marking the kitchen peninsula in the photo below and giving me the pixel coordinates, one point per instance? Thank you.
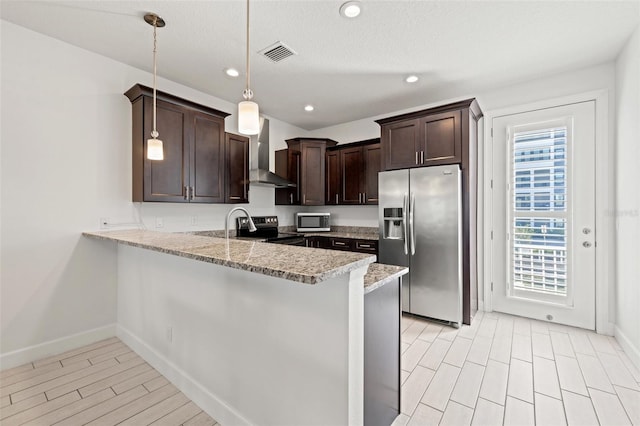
(263, 334)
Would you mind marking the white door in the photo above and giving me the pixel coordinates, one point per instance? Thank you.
(544, 214)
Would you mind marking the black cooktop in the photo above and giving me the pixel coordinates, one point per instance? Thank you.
(267, 229)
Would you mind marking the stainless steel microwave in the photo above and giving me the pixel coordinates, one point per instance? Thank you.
(313, 222)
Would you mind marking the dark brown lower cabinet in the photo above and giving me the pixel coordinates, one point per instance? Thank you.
(382, 354)
(237, 152)
(345, 244)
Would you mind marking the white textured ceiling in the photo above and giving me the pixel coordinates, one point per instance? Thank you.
(348, 69)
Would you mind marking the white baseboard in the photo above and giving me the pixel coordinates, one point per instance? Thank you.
(54, 347)
(211, 404)
(630, 349)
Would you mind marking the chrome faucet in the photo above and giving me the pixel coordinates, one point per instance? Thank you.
(252, 226)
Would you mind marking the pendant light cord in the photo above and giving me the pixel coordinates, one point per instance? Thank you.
(154, 133)
(247, 93)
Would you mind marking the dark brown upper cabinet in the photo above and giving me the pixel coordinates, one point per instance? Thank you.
(304, 166)
(352, 173)
(193, 169)
(332, 178)
(237, 165)
(425, 138)
(372, 165)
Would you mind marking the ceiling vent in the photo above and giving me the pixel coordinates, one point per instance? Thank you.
(277, 52)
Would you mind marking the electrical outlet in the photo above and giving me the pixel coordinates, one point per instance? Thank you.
(104, 222)
(159, 222)
(169, 334)
(194, 220)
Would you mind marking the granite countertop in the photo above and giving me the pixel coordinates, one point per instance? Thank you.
(301, 264)
(379, 274)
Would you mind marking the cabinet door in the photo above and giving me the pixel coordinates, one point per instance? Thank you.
(237, 165)
(372, 165)
(366, 246)
(351, 167)
(207, 159)
(167, 180)
(332, 178)
(294, 166)
(400, 144)
(345, 244)
(284, 196)
(441, 137)
(312, 173)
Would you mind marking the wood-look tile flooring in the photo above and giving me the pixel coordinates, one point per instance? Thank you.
(514, 371)
(104, 383)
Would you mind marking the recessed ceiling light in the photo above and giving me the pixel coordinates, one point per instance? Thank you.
(411, 79)
(350, 9)
(309, 108)
(231, 72)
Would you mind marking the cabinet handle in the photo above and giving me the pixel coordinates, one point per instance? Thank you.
(417, 153)
(233, 197)
(338, 243)
(304, 199)
(291, 198)
(191, 191)
(336, 198)
(364, 245)
(186, 192)
(421, 157)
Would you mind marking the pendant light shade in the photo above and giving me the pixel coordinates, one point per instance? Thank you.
(155, 150)
(248, 111)
(248, 118)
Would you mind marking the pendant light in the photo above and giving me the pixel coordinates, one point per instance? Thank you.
(154, 145)
(248, 114)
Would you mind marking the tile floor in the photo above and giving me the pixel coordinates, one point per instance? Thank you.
(514, 371)
(101, 384)
(501, 370)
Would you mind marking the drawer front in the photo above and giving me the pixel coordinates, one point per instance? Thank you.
(366, 246)
(341, 244)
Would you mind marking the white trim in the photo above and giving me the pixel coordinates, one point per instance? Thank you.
(180, 379)
(629, 348)
(55, 347)
(604, 193)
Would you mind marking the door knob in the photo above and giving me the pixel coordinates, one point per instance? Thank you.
(586, 244)
(586, 231)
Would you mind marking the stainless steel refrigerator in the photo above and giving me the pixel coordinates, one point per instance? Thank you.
(420, 213)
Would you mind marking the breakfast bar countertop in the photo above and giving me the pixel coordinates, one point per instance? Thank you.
(300, 264)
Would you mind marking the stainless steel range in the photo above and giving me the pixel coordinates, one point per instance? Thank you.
(267, 230)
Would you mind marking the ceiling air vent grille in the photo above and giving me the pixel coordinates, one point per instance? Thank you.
(277, 51)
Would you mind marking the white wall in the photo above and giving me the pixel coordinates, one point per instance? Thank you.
(627, 211)
(66, 163)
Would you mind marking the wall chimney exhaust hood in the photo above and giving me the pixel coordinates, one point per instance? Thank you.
(259, 149)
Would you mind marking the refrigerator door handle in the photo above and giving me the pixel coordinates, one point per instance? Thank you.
(405, 207)
(412, 224)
